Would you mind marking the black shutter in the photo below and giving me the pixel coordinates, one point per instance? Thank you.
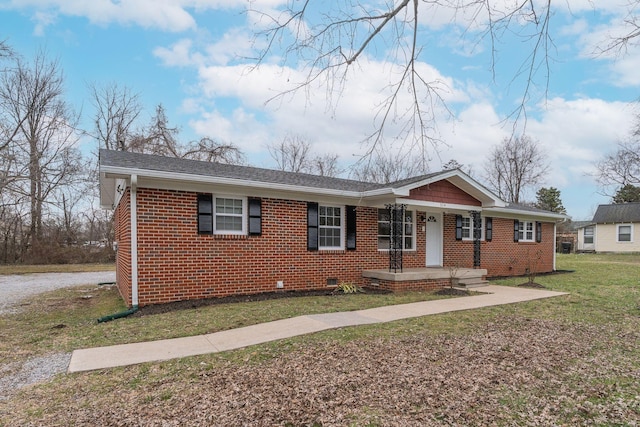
(516, 230)
(458, 227)
(205, 214)
(351, 228)
(312, 226)
(538, 232)
(255, 217)
(488, 229)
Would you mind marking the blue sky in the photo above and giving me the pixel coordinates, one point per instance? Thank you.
(189, 56)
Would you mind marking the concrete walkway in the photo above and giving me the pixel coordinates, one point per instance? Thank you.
(154, 351)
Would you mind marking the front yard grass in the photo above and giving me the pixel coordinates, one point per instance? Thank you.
(572, 360)
(64, 320)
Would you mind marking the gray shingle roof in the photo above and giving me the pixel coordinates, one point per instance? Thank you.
(139, 161)
(622, 212)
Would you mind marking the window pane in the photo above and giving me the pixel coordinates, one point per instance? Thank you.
(384, 228)
(229, 206)
(408, 243)
(383, 242)
(624, 233)
(383, 215)
(228, 223)
(408, 216)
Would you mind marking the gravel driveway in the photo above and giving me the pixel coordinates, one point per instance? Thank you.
(15, 288)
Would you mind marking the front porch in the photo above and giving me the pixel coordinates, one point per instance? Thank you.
(428, 278)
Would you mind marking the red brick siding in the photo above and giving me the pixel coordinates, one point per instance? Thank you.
(443, 192)
(502, 256)
(175, 263)
(122, 219)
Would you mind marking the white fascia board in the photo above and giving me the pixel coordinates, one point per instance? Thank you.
(438, 206)
(462, 181)
(517, 213)
(107, 192)
(149, 175)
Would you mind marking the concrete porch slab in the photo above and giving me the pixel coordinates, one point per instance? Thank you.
(427, 273)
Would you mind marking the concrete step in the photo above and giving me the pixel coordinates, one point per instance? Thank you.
(473, 282)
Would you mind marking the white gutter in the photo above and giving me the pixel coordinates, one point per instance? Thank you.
(134, 241)
(522, 212)
(117, 172)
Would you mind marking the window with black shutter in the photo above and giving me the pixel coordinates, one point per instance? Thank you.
(205, 214)
(458, 227)
(538, 232)
(351, 228)
(255, 217)
(312, 226)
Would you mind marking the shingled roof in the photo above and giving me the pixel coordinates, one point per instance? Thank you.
(137, 161)
(617, 213)
(120, 164)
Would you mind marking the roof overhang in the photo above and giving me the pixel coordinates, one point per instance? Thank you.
(463, 182)
(172, 180)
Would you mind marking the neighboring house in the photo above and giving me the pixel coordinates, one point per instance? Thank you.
(614, 228)
(567, 236)
(188, 229)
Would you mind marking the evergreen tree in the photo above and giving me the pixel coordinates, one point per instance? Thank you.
(627, 193)
(549, 200)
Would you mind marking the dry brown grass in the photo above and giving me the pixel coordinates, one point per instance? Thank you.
(54, 268)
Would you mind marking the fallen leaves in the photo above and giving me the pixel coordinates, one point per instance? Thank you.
(517, 371)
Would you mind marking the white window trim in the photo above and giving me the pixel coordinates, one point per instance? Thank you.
(245, 215)
(413, 230)
(524, 231)
(593, 235)
(470, 238)
(618, 233)
(342, 228)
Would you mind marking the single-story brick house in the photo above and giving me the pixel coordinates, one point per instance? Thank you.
(187, 230)
(614, 228)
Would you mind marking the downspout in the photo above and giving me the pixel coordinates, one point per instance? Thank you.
(555, 244)
(134, 241)
(134, 257)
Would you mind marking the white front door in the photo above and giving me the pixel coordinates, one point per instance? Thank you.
(434, 239)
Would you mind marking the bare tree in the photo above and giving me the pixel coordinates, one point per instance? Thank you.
(291, 154)
(42, 134)
(620, 168)
(387, 168)
(210, 150)
(117, 110)
(330, 39)
(514, 166)
(326, 165)
(158, 137)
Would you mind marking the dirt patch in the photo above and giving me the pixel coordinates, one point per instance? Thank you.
(453, 292)
(191, 304)
(532, 285)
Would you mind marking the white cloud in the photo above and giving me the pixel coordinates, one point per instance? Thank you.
(178, 55)
(333, 125)
(165, 15)
(578, 133)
